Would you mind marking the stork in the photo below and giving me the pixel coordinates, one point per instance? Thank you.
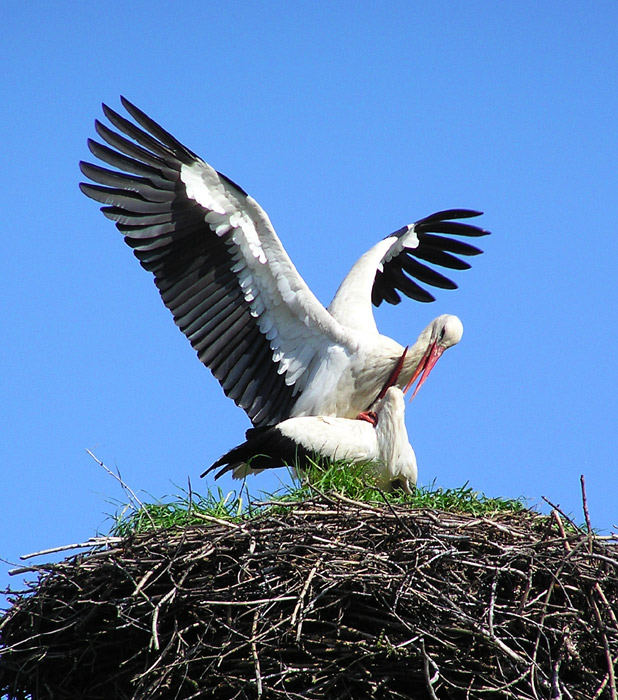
(296, 441)
(234, 292)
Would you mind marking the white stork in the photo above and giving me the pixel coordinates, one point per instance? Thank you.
(234, 292)
(296, 440)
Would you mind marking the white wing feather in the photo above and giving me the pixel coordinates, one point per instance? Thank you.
(287, 312)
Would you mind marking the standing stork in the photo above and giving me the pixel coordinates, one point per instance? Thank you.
(383, 443)
(234, 292)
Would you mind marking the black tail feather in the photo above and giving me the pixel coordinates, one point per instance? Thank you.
(264, 448)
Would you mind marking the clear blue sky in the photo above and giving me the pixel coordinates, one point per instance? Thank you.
(345, 120)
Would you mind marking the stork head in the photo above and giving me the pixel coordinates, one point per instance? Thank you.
(446, 330)
(442, 333)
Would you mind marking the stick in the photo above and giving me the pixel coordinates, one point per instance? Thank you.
(430, 680)
(254, 654)
(92, 542)
(562, 513)
(556, 517)
(124, 486)
(585, 503)
(155, 617)
(218, 521)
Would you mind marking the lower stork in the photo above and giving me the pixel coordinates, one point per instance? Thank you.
(382, 442)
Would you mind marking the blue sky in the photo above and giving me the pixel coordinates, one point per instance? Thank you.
(345, 121)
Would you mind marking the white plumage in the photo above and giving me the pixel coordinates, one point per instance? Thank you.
(236, 295)
(293, 441)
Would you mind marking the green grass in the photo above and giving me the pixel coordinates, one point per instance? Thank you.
(352, 481)
(180, 511)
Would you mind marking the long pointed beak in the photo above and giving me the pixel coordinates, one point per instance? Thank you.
(424, 367)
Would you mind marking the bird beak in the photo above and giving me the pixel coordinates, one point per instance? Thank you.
(424, 367)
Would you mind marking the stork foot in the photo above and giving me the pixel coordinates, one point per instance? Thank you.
(369, 416)
(402, 484)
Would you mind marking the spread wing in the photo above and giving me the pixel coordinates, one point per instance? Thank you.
(418, 242)
(217, 262)
(393, 265)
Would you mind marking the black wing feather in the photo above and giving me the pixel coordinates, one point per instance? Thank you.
(168, 233)
(264, 448)
(431, 248)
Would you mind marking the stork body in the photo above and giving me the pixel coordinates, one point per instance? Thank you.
(296, 440)
(236, 295)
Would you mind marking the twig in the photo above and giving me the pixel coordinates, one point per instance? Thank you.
(556, 693)
(492, 603)
(245, 603)
(169, 596)
(254, 653)
(394, 512)
(602, 596)
(429, 679)
(586, 513)
(585, 503)
(556, 517)
(92, 542)
(302, 595)
(608, 656)
(142, 582)
(125, 486)
(28, 569)
(604, 682)
(218, 521)
(359, 504)
(562, 513)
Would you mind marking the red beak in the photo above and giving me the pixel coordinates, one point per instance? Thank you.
(427, 363)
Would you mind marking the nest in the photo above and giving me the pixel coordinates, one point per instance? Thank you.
(326, 599)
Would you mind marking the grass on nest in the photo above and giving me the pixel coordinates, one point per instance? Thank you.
(180, 511)
(353, 481)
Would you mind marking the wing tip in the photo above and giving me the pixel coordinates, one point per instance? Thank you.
(212, 467)
(134, 111)
(85, 186)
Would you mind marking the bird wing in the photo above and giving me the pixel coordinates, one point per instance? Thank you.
(217, 262)
(333, 437)
(392, 266)
(420, 242)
